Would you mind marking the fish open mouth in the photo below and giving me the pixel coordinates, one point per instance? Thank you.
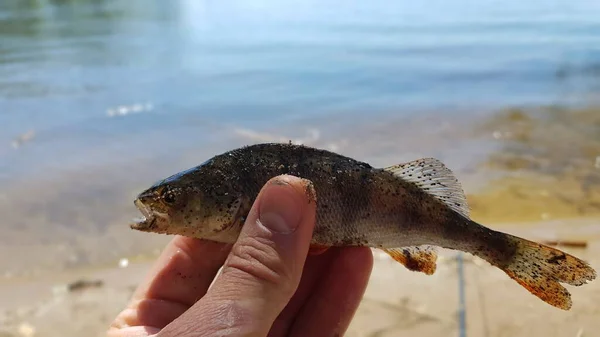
(147, 220)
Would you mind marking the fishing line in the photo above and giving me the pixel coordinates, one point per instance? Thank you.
(462, 319)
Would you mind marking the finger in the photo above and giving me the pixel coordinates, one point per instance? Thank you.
(180, 276)
(331, 307)
(314, 269)
(264, 268)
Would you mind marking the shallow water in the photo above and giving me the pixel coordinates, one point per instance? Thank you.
(98, 99)
(69, 69)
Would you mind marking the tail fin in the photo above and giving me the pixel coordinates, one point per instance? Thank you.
(540, 269)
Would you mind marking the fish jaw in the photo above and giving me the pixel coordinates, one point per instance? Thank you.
(148, 221)
(143, 224)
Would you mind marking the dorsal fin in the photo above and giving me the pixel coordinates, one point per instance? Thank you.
(432, 176)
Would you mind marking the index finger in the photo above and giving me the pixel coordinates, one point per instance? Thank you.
(181, 276)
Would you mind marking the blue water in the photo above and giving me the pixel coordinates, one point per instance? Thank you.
(98, 99)
(190, 67)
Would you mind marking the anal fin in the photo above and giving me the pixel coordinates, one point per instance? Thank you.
(418, 258)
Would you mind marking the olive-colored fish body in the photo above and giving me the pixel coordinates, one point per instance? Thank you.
(406, 210)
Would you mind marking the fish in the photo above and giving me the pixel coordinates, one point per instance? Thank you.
(408, 210)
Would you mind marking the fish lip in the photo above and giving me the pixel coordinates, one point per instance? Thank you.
(143, 224)
(148, 218)
(143, 208)
(147, 221)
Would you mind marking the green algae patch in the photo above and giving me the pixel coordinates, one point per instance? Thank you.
(533, 198)
(549, 165)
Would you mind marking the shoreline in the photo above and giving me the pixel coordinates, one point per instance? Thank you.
(510, 167)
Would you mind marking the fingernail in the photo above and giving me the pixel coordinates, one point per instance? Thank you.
(280, 208)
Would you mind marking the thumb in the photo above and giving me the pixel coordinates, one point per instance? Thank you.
(265, 265)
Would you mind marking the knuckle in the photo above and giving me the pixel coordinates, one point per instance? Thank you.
(258, 258)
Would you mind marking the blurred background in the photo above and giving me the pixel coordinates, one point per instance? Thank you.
(101, 98)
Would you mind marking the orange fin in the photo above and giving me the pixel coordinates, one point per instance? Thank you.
(540, 269)
(317, 249)
(421, 258)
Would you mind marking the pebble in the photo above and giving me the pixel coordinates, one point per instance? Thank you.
(123, 263)
(59, 290)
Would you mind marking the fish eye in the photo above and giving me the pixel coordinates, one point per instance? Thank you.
(168, 196)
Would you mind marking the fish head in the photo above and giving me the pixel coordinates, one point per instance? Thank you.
(193, 204)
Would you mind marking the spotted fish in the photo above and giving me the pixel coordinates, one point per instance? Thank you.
(406, 210)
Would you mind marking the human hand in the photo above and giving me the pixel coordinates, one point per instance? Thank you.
(268, 286)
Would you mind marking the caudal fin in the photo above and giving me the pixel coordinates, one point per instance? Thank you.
(541, 269)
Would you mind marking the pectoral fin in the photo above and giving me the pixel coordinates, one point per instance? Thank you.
(420, 258)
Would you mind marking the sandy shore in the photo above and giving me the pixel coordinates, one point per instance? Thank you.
(397, 302)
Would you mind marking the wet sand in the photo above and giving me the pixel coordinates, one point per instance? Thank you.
(531, 173)
(397, 302)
